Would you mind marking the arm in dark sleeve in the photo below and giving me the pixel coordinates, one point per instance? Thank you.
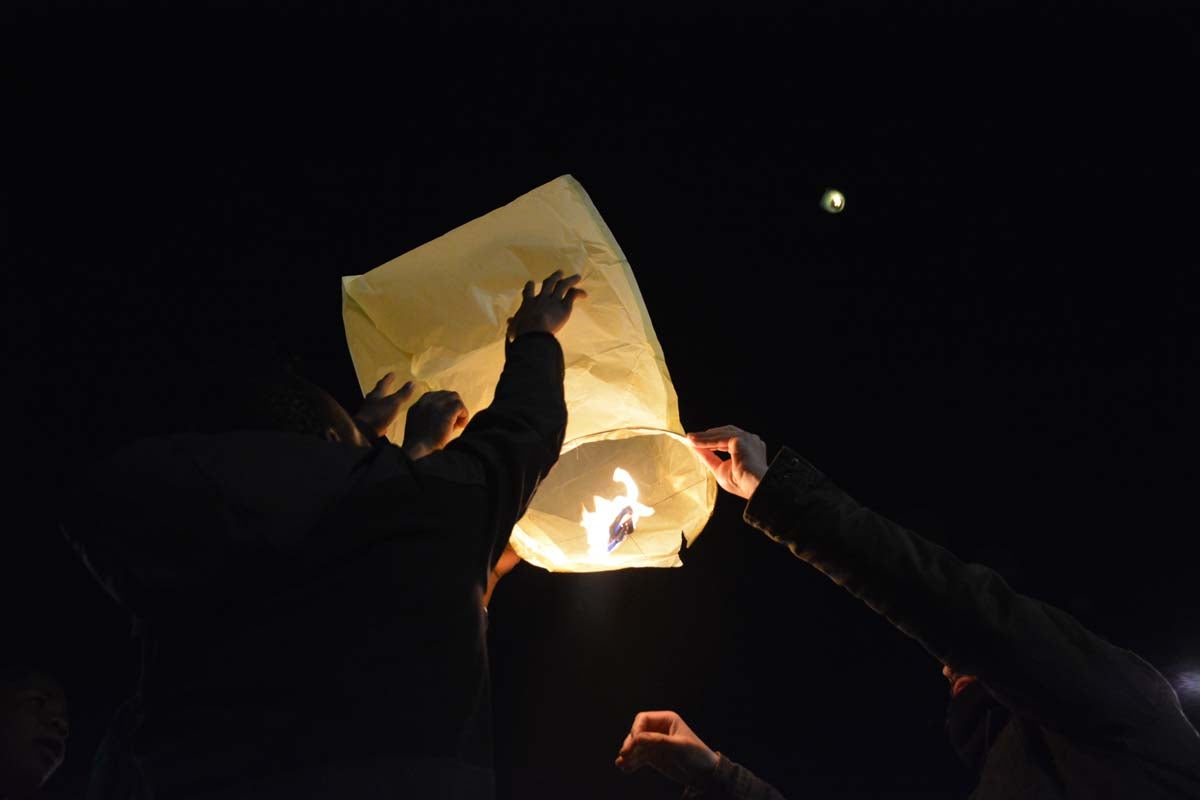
(516, 439)
(244, 514)
(473, 490)
(1035, 658)
(732, 781)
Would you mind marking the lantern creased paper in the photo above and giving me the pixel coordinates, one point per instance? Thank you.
(437, 315)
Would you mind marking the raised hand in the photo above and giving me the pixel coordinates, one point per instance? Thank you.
(549, 309)
(381, 406)
(661, 739)
(747, 463)
(432, 422)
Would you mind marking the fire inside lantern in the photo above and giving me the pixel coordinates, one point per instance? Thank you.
(613, 521)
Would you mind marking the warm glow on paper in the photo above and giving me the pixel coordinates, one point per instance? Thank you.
(437, 315)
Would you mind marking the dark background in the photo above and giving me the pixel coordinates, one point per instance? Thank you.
(995, 344)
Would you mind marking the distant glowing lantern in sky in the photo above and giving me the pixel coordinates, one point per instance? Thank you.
(833, 201)
(628, 490)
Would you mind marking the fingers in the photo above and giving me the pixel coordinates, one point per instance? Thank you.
(550, 283)
(405, 391)
(452, 409)
(384, 385)
(628, 760)
(647, 737)
(651, 741)
(646, 748)
(442, 398)
(446, 404)
(381, 386)
(714, 443)
(549, 309)
(716, 438)
(657, 721)
(557, 287)
(563, 286)
(623, 761)
(572, 296)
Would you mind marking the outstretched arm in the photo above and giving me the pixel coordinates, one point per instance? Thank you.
(1034, 657)
(167, 521)
(517, 439)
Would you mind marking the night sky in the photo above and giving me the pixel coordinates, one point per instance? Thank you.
(995, 344)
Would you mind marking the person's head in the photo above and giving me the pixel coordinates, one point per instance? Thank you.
(33, 729)
(284, 401)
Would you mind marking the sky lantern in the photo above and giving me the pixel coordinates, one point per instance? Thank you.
(628, 490)
(833, 201)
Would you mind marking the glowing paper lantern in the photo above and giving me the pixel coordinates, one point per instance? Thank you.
(437, 315)
(833, 201)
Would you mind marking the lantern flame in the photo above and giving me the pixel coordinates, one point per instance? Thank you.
(613, 521)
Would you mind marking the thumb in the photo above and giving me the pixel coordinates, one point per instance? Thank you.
(642, 749)
(710, 458)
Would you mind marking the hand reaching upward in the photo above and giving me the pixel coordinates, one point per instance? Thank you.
(549, 309)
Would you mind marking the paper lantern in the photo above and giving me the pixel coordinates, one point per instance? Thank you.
(833, 201)
(437, 315)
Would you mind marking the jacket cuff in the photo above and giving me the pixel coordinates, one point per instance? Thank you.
(717, 783)
(532, 335)
(535, 341)
(786, 480)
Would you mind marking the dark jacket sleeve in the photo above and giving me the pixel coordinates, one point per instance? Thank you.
(732, 781)
(1033, 657)
(169, 521)
(517, 438)
(495, 465)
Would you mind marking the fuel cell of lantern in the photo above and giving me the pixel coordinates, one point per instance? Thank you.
(621, 528)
